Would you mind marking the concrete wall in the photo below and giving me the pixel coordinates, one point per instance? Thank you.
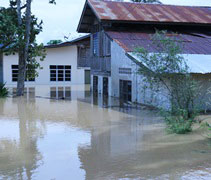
(158, 98)
(120, 60)
(139, 93)
(204, 96)
(55, 56)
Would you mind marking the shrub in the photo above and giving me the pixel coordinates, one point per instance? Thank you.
(179, 121)
(3, 90)
(207, 129)
(166, 70)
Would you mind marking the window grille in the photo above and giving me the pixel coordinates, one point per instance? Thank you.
(29, 77)
(60, 73)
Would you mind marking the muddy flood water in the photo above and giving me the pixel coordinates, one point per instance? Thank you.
(65, 133)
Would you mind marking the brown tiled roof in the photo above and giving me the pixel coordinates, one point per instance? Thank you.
(193, 43)
(125, 11)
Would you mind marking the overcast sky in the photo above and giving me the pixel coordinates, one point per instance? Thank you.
(62, 19)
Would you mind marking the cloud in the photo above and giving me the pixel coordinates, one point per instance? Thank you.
(59, 20)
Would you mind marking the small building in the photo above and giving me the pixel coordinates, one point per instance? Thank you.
(65, 64)
(117, 28)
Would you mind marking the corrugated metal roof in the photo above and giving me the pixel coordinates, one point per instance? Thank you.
(138, 12)
(70, 43)
(198, 64)
(193, 43)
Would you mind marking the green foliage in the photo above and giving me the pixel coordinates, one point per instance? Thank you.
(206, 127)
(3, 90)
(8, 27)
(53, 42)
(167, 69)
(52, 1)
(179, 122)
(12, 36)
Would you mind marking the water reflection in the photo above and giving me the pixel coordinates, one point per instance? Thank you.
(55, 92)
(19, 158)
(134, 153)
(87, 93)
(2, 102)
(60, 93)
(42, 138)
(29, 92)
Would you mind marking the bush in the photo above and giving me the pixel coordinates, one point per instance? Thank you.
(207, 129)
(167, 71)
(179, 121)
(3, 90)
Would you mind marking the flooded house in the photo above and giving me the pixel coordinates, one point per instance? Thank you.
(65, 64)
(117, 28)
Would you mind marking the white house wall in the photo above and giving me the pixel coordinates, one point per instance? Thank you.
(119, 60)
(204, 96)
(139, 94)
(55, 56)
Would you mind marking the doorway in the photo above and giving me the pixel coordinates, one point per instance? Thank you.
(105, 86)
(125, 90)
(95, 84)
(87, 77)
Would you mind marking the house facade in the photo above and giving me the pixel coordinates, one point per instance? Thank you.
(64, 65)
(117, 28)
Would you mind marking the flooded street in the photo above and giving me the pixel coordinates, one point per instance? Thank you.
(63, 133)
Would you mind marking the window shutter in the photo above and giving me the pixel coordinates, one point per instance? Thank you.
(95, 41)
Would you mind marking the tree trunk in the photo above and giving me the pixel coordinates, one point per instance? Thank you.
(19, 12)
(23, 49)
(20, 83)
(21, 74)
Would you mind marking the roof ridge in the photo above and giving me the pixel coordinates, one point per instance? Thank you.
(140, 3)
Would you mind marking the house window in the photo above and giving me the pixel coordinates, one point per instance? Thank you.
(83, 57)
(107, 46)
(29, 74)
(60, 73)
(95, 44)
(14, 73)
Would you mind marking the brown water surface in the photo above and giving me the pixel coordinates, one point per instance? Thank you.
(64, 133)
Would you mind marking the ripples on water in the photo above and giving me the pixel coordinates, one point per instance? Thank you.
(65, 133)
